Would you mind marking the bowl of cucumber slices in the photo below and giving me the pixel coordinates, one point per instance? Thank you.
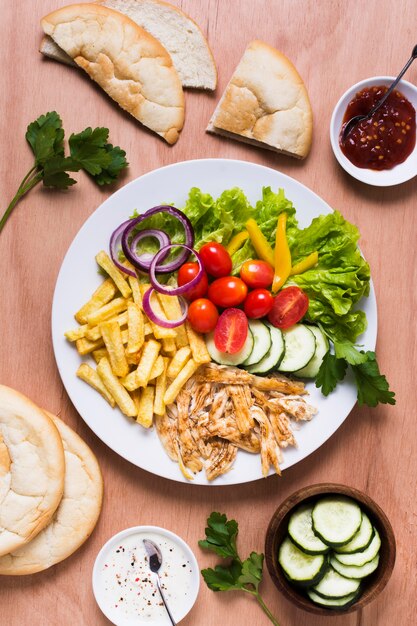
(330, 548)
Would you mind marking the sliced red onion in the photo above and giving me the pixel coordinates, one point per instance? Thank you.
(114, 248)
(147, 307)
(145, 259)
(172, 265)
(174, 291)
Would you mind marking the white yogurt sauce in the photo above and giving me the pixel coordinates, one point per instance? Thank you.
(129, 589)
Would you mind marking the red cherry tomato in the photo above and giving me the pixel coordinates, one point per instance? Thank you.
(257, 273)
(231, 331)
(258, 303)
(216, 259)
(186, 273)
(227, 291)
(290, 306)
(203, 315)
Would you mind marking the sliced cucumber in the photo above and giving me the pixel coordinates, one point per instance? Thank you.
(274, 355)
(333, 585)
(322, 347)
(301, 568)
(334, 603)
(336, 520)
(223, 358)
(351, 571)
(300, 346)
(361, 540)
(360, 558)
(261, 342)
(300, 530)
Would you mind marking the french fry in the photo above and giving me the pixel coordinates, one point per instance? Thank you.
(135, 328)
(113, 386)
(90, 376)
(160, 388)
(158, 368)
(103, 294)
(178, 361)
(112, 337)
(148, 357)
(158, 331)
(106, 312)
(133, 359)
(147, 329)
(197, 345)
(94, 333)
(169, 347)
(84, 346)
(99, 354)
(76, 333)
(145, 407)
(172, 309)
(134, 285)
(109, 267)
(177, 384)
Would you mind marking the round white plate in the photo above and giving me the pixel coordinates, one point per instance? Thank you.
(78, 278)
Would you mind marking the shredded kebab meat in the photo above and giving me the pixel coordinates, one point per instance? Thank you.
(222, 409)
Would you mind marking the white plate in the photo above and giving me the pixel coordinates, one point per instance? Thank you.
(78, 278)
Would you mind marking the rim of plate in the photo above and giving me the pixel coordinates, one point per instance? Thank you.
(164, 532)
(229, 478)
(399, 174)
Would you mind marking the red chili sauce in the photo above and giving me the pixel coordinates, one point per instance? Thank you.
(387, 138)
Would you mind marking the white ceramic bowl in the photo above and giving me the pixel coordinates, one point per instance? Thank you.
(103, 597)
(385, 178)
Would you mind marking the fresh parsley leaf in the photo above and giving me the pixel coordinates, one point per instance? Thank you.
(332, 370)
(372, 386)
(252, 570)
(223, 578)
(220, 536)
(55, 172)
(46, 137)
(346, 350)
(117, 163)
(87, 148)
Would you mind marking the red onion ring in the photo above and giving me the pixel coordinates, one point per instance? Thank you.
(114, 245)
(188, 232)
(174, 291)
(146, 258)
(147, 307)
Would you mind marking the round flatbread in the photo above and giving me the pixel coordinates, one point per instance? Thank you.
(32, 470)
(75, 517)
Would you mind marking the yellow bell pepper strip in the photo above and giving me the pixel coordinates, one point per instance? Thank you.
(260, 243)
(282, 254)
(237, 242)
(306, 264)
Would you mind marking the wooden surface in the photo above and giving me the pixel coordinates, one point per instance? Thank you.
(333, 44)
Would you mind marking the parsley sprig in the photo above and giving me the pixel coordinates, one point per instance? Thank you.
(89, 151)
(236, 575)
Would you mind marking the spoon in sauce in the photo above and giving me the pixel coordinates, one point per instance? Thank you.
(155, 562)
(360, 118)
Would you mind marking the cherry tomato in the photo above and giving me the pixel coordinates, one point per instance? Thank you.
(290, 306)
(216, 259)
(186, 273)
(227, 291)
(257, 273)
(203, 315)
(258, 303)
(231, 331)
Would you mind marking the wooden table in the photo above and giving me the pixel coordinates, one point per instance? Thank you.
(333, 44)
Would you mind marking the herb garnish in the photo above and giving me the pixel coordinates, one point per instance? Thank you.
(89, 150)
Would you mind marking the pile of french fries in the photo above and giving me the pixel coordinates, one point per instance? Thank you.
(141, 367)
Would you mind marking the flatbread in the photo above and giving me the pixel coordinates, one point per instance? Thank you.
(266, 104)
(76, 516)
(132, 67)
(32, 469)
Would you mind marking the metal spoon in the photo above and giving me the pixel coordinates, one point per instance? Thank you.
(360, 118)
(155, 562)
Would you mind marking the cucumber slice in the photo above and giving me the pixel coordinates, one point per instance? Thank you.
(333, 585)
(361, 540)
(334, 603)
(261, 342)
(300, 530)
(336, 520)
(360, 558)
(300, 346)
(223, 358)
(301, 568)
(322, 347)
(274, 355)
(351, 571)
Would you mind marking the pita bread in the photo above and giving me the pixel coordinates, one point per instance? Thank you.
(266, 104)
(174, 29)
(127, 62)
(31, 470)
(74, 519)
